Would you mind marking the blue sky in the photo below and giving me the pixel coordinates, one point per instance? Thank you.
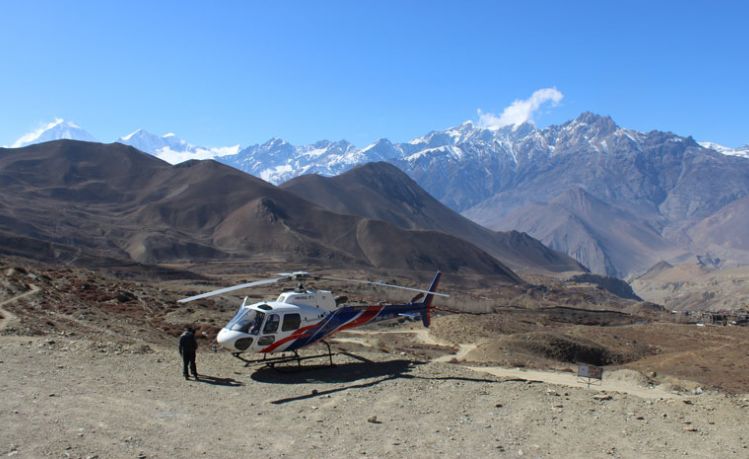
(240, 72)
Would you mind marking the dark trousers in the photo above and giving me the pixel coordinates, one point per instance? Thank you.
(188, 358)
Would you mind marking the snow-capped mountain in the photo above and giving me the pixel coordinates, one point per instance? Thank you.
(740, 151)
(482, 160)
(171, 148)
(55, 130)
(277, 160)
(616, 199)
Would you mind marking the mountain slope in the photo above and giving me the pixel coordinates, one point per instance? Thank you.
(383, 192)
(114, 201)
(610, 239)
(666, 183)
(725, 233)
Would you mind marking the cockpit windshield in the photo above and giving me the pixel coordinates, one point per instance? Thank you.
(246, 321)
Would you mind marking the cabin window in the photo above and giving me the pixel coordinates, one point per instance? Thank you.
(244, 319)
(271, 325)
(257, 323)
(291, 322)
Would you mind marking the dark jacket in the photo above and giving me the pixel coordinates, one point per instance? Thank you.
(187, 343)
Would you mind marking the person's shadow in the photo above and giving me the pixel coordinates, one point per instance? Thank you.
(216, 381)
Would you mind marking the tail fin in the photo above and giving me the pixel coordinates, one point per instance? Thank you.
(426, 316)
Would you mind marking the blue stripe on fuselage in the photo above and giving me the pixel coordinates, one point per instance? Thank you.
(345, 314)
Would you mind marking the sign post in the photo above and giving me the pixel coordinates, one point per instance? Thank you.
(589, 374)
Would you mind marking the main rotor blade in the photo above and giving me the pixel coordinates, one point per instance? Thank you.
(231, 289)
(295, 274)
(382, 284)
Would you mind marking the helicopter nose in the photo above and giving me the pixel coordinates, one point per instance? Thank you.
(225, 338)
(233, 340)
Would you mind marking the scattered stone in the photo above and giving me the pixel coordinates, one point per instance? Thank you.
(602, 397)
(698, 391)
(374, 420)
(689, 428)
(125, 297)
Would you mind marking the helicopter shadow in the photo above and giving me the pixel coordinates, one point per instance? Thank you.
(349, 373)
(340, 373)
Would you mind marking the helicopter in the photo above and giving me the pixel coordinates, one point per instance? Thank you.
(302, 317)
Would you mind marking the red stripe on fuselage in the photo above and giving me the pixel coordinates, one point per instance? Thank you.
(297, 334)
(365, 317)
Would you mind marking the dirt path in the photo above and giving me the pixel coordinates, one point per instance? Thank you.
(422, 335)
(359, 341)
(549, 377)
(8, 316)
(463, 350)
(571, 380)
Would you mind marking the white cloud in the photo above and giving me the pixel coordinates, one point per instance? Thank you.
(34, 135)
(175, 157)
(520, 111)
(226, 151)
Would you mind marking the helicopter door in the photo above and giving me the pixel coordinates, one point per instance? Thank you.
(271, 327)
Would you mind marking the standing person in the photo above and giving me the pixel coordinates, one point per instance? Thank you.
(187, 347)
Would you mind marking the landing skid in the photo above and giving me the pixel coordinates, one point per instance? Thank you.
(271, 362)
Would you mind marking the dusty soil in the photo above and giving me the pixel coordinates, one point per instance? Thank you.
(78, 398)
(88, 368)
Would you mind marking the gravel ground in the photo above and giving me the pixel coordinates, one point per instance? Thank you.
(78, 398)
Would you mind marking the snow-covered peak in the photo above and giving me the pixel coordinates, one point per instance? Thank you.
(125, 138)
(592, 124)
(171, 148)
(152, 143)
(740, 151)
(55, 130)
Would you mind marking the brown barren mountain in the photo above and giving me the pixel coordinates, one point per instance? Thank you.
(724, 234)
(382, 191)
(80, 199)
(613, 240)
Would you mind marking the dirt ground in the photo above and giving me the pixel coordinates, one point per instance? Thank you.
(89, 369)
(78, 398)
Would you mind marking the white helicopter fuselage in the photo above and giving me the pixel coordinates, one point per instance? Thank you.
(271, 326)
(301, 317)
